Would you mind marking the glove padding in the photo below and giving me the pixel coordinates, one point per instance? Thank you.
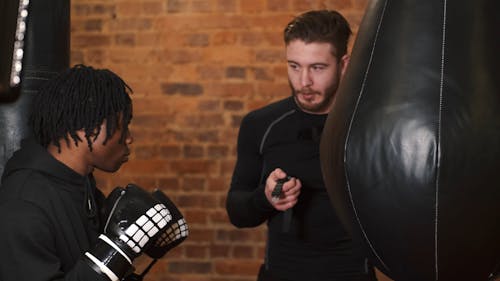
(135, 220)
(175, 233)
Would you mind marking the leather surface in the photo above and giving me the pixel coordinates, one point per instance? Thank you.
(46, 53)
(410, 151)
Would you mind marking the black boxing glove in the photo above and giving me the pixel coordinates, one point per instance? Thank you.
(135, 220)
(175, 233)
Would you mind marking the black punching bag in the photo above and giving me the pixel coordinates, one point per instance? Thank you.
(411, 149)
(34, 47)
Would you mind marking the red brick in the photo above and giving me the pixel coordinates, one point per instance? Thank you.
(227, 166)
(168, 185)
(201, 6)
(270, 22)
(126, 39)
(218, 184)
(148, 39)
(210, 72)
(182, 56)
(130, 24)
(153, 7)
(197, 40)
(208, 120)
(270, 56)
(191, 166)
(196, 216)
(209, 136)
(196, 251)
(239, 235)
(217, 151)
(81, 9)
(150, 166)
(262, 74)
(226, 6)
(209, 105)
(273, 89)
(254, 6)
(196, 22)
(233, 105)
(240, 267)
(278, 5)
(193, 184)
(190, 267)
(141, 122)
(224, 38)
(186, 89)
(219, 251)
(128, 8)
(199, 235)
(219, 217)
(76, 56)
(242, 252)
(95, 56)
(97, 40)
(177, 6)
(341, 4)
(227, 90)
(145, 151)
(148, 183)
(236, 72)
(305, 5)
(90, 25)
(170, 151)
(197, 201)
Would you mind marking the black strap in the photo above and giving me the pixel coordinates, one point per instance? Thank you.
(287, 219)
(137, 277)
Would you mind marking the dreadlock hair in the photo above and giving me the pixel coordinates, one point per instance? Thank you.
(81, 98)
(324, 26)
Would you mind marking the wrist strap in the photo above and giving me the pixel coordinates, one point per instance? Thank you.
(107, 258)
(101, 267)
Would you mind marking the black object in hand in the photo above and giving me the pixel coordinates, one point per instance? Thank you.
(278, 189)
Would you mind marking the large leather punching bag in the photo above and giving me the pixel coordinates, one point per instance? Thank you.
(411, 149)
(34, 47)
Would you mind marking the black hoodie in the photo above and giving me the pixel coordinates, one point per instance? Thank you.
(48, 218)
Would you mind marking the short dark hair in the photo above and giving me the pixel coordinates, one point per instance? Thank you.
(80, 98)
(325, 26)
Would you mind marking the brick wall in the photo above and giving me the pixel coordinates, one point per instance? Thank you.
(196, 67)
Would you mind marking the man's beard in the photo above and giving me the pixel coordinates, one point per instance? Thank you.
(321, 107)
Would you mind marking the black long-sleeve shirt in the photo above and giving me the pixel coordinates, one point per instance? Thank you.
(316, 247)
(48, 218)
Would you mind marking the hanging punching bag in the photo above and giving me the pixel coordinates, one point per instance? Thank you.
(411, 149)
(34, 47)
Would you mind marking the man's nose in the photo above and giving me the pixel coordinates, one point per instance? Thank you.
(305, 78)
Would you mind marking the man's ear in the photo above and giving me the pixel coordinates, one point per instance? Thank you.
(344, 62)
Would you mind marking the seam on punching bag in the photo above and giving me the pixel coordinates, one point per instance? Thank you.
(438, 154)
(36, 78)
(349, 132)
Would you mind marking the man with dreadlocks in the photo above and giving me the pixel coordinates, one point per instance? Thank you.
(55, 223)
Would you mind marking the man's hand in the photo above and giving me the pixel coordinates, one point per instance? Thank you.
(290, 190)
